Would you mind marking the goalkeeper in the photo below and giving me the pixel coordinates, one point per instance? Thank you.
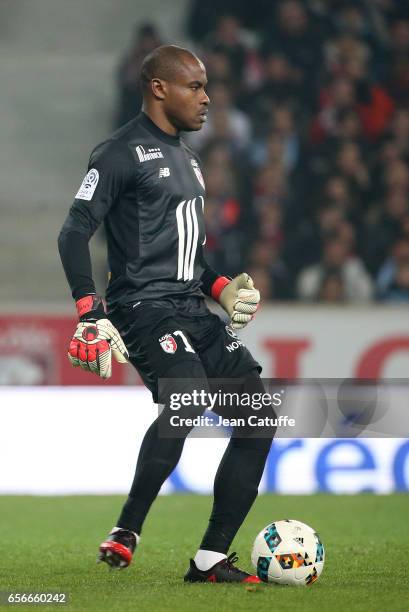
(146, 185)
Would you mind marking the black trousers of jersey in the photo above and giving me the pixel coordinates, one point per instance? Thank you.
(176, 351)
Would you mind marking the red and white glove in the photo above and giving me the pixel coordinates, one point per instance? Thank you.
(238, 297)
(95, 339)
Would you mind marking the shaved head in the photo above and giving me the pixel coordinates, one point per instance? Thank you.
(166, 63)
(174, 95)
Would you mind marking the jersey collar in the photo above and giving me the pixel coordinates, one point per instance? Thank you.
(156, 131)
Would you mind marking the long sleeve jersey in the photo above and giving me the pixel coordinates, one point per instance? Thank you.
(148, 189)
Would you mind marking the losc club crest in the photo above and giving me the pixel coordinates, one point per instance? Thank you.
(168, 343)
(198, 172)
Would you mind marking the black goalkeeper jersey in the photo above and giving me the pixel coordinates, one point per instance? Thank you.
(148, 189)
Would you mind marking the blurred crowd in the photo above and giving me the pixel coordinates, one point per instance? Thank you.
(306, 147)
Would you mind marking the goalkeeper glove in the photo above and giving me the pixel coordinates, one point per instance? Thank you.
(238, 297)
(95, 339)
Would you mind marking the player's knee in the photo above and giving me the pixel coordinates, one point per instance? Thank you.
(183, 390)
(259, 414)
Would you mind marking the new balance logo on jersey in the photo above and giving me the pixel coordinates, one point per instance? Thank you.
(164, 172)
(188, 232)
(154, 153)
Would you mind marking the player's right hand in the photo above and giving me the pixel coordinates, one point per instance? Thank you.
(93, 345)
(95, 340)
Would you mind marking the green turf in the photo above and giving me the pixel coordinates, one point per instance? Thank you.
(49, 544)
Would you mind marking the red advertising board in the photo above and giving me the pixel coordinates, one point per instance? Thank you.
(289, 342)
(33, 351)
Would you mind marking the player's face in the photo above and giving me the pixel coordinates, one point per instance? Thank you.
(186, 100)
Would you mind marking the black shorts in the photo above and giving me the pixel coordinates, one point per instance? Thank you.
(159, 335)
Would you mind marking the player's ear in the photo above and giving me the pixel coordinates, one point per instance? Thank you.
(158, 88)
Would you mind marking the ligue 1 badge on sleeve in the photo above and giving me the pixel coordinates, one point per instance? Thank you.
(198, 172)
(168, 343)
(88, 185)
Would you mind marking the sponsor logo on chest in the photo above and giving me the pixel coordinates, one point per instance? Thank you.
(151, 153)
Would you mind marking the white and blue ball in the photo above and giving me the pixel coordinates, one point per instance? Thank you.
(288, 552)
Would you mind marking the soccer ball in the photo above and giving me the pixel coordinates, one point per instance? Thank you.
(288, 552)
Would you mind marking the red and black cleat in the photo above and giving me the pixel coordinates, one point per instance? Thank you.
(118, 548)
(223, 571)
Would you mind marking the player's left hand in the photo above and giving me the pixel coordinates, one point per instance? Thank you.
(93, 345)
(240, 300)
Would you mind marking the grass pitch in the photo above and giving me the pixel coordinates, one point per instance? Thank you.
(50, 544)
